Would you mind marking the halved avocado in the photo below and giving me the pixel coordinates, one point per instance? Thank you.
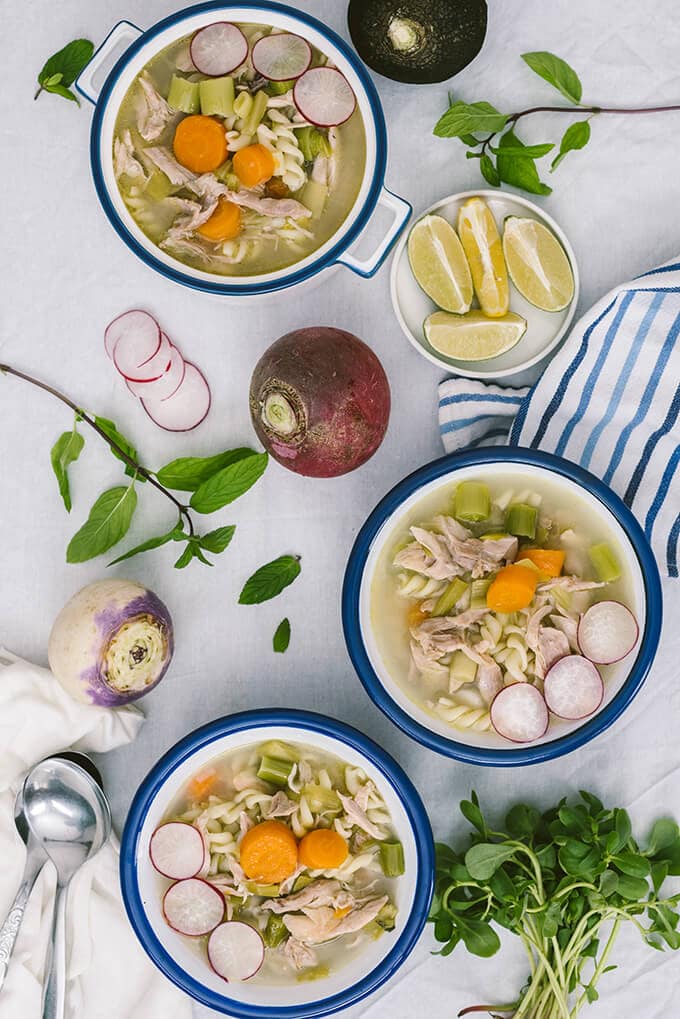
(417, 41)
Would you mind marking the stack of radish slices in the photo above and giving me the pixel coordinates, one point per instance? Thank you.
(573, 688)
(322, 95)
(194, 907)
(172, 391)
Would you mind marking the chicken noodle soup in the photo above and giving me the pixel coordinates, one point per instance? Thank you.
(225, 172)
(300, 847)
(489, 588)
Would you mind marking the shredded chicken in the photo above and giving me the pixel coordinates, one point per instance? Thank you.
(165, 161)
(570, 584)
(454, 551)
(124, 160)
(324, 892)
(363, 794)
(358, 817)
(489, 680)
(444, 624)
(569, 627)
(534, 626)
(414, 557)
(280, 806)
(553, 644)
(299, 954)
(154, 113)
(322, 923)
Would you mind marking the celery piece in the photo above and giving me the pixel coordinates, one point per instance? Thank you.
(256, 113)
(159, 186)
(183, 95)
(313, 143)
(317, 973)
(217, 96)
(449, 597)
(314, 196)
(279, 88)
(521, 520)
(373, 930)
(472, 501)
(243, 104)
(562, 597)
(605, 562)
(392, 858)
(301, 882)
(282, 751)
(320, 799)
(478, 591)
(462, 669)
(493, 536)
(387, 916)
(276, 932)
(528, 563)
(267, 891)
(274, 770)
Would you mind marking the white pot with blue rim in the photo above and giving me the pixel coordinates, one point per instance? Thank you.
(130, 49)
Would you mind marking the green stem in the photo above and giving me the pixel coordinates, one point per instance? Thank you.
(599, 968)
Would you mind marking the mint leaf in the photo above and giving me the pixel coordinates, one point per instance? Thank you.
(520, 171)
(186, 557)
(489, 171)
(217, 541)
(282, 637)
(108, 522)
(187, 473)
(61, 90)
(110, 429)
(270, 580)
(65, 451)
(63, 67)
(147, 546)
(557, 73)
(229, 483)
(463, 118)
(532, 151)
(575, 137)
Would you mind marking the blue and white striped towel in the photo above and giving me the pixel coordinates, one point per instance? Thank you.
(609, 401)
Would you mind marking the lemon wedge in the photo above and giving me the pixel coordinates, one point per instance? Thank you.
(482, 245)
(439, 265)
(538, 264)
(474, 336)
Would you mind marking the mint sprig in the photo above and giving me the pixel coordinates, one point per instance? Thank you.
(62, 68)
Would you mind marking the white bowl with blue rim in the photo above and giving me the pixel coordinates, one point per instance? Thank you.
(362, 974)
(131, 48)
(387, 524)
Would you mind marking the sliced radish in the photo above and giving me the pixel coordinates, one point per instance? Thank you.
(186, 408)
(169, 382)
(218, 49)
(177, 850)
(519, 713)
(136, 327)
(134, 361)
(193, 907)
(607, 632)
(235, 951)
(281, 57)
(573, 687)
(324, 97)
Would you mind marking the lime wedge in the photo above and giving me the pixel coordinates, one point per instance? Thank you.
(474, 336)
(439, 265)
(482, 246)
(538, 264)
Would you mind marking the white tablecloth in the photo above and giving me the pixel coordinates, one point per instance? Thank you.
(65, 274)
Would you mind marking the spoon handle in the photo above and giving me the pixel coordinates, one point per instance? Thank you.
(54, 992)
(12, 922)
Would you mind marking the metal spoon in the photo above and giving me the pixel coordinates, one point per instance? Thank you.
(70, 818)
(35, 860)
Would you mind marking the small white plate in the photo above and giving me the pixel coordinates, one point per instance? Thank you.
(545, 329)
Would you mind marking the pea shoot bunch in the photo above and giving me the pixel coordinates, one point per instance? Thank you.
(555, 879)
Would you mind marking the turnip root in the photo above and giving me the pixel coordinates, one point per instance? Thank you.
(111, 643)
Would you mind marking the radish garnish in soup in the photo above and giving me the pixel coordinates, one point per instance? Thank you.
(503, 607)
(284, 862)
(231, 168)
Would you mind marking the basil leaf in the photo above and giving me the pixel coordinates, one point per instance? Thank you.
(229, 483)
(520, 171)
(147, 546)
(484, 859)
(108, 522)
(217, 541)
(270, 580)
(65, 451)
(68, 62)
(557, 73)
(110, 429)
(187, 473)
(575, 137)
(463, 118)
(282, 637)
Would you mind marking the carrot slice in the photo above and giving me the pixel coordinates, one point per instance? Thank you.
(224, 224)
(323, 849)
(548, 560)
(200, 144)
(254, 165)
(512, 589)
(200, 786)
(269, 852)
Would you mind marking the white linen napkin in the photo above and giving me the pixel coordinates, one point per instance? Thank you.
(609, 401)
(109, 976)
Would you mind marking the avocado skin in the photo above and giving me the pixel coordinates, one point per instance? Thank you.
(451, 34)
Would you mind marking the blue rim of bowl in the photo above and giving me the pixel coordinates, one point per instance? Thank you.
(267, 286)
(253, 720)
(453, 748)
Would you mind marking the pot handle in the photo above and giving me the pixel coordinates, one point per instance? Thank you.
(116, 42)
(368, 267)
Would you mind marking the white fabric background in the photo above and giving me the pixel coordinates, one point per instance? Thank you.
(65, 275)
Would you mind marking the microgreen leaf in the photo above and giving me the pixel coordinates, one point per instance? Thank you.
(110, 429)
(478, 937)
(471, 812)
(270, 580)
(556, 72)
(229, 483)
(631, 863)
(63, 67)
(632, 888)
(520, 171)
(188, 472)
(484, 859)
(575, 137)
(282, 637)
(464, 118)
(108, 522)
(664, 833)
(216, 541)
(522, 820)
(65, 451)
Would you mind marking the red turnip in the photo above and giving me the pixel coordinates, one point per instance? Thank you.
(320, 401)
